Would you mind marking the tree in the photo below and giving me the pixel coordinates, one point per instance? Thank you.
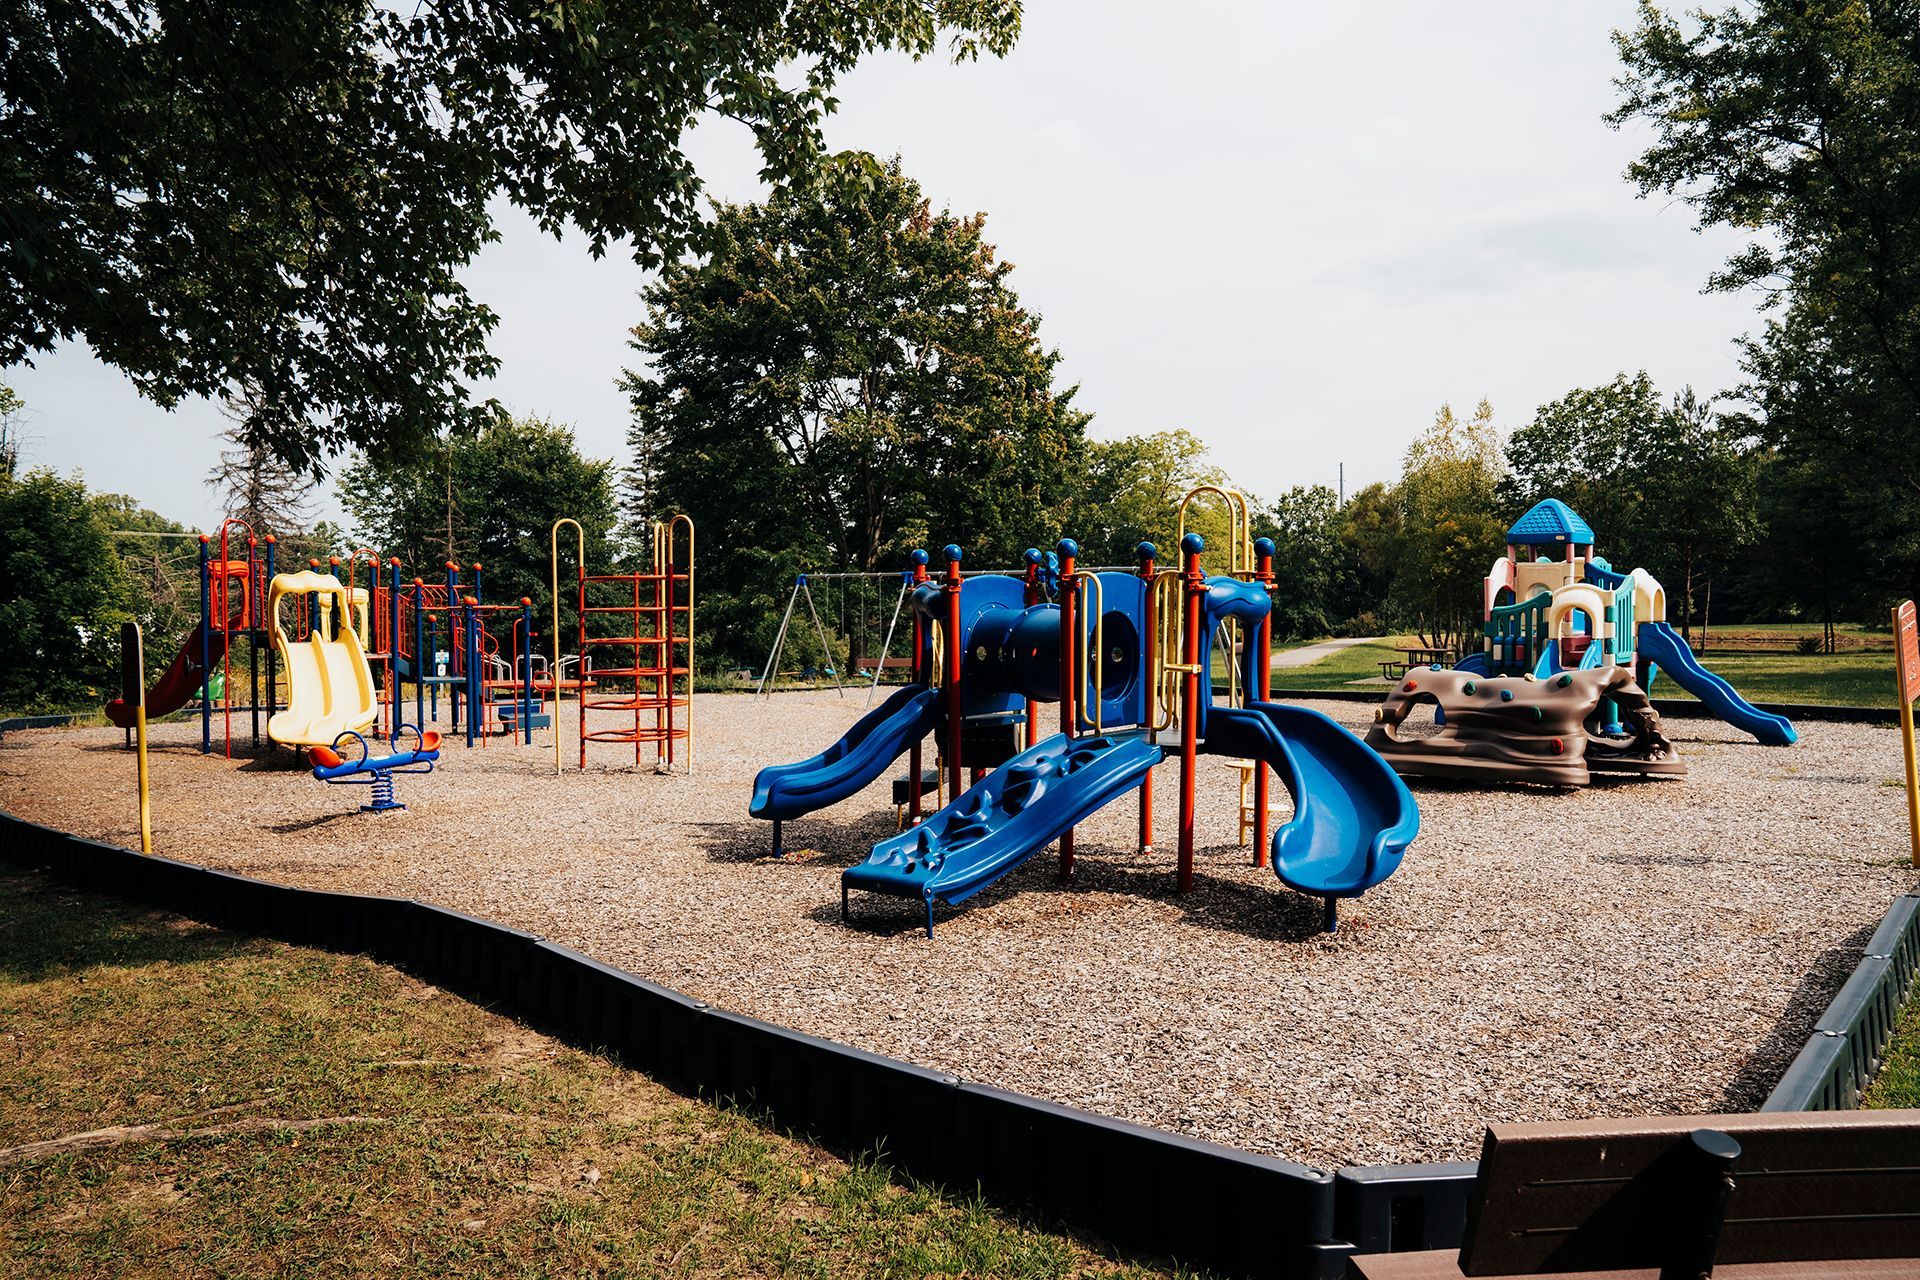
(512, 481)
(1797, 122)
(254, 484)
(282, 195)
(12, 410)
(1311, 564)
(1370, 531)
(1450, 526)
(846, 376)
(62, 594)
(160, 566)
(1589, 449)
(1669, 487)
(1128, 491)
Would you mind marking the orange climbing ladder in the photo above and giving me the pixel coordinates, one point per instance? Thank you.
(636, 646)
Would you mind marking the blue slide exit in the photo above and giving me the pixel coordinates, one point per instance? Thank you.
(875, 741)
(1662, 645)
(1002, 820)
(1353, 817)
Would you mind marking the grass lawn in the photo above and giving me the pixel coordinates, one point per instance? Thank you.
(1849, 678)
(1898, 1084)
(187, 1102)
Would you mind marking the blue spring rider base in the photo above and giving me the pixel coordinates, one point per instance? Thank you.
(330, 767)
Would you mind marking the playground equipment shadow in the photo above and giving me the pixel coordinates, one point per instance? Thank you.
(1516, 968)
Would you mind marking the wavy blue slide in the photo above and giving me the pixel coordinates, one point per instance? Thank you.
(862, 754)
(1663, 646)
(1353, 817)
(1002, 820)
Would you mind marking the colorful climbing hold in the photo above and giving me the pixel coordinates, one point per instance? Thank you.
(1469, 688)
(1558, 746)
(1409, 687)
(1506, 695)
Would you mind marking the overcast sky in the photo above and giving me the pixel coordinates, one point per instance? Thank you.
(1295, 230)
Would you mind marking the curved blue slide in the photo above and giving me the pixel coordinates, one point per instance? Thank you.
(1353, 817)
(1002, 820)
(862, 754)
(1662, 645)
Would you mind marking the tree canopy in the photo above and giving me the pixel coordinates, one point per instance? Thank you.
(489, 499)
(846, 374)
(1799, 122)
(281, 195)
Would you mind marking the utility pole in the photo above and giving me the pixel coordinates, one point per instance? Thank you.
(1343, 484)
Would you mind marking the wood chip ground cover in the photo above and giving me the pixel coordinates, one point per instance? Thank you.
(1635, 947)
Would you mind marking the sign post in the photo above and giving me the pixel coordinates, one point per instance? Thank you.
(1906, 647)
(133, 691)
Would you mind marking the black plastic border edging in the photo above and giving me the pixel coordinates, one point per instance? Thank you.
(1844, 1051)
(1231, 1211)
(11, 723)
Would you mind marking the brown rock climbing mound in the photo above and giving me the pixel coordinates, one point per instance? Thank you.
(1519, 729)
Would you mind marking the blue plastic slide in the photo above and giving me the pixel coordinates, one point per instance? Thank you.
(1661, 645)
(1353, 818)
(1002, 820)
(875, 741)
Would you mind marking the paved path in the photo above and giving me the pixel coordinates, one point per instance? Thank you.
(1310, 654)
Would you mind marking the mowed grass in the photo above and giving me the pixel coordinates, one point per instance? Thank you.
(185, 1102)
(1852, 678)
(1898, 1084)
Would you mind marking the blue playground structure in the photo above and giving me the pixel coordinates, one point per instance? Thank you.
(1128, 658)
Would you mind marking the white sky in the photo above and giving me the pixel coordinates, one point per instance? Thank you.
(1292, 229)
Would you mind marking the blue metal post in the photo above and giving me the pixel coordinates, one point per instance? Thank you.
(526, 659)
(266, 630)
(393, 646)
(206, 651)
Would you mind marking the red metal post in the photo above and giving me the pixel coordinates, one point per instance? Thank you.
(1263, 574)
(1150, 644)
(921, 675)
(1030, 598)
(955, 708)
(1196, 587)
(1069, 667)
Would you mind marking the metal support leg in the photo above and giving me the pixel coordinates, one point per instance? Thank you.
(778, 852)
(1330, 921)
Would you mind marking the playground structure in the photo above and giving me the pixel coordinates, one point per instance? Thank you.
(1550, 605)
(642, 694)
(330, 767)
(1124, 656)
(233, 592)
(1523, 729)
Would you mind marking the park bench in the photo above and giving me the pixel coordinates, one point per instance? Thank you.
(1814, 1195)
(870, 668)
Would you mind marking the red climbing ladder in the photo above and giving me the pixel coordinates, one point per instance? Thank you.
(636, 646)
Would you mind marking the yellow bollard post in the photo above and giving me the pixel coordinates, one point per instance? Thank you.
(133, 690)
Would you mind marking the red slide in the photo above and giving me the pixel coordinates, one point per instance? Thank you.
(178, 686)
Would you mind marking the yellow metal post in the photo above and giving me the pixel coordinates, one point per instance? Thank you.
(133, 689)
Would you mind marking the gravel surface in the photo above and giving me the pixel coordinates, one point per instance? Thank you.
(1636, 947)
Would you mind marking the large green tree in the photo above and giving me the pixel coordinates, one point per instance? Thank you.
(1450, 526)
(1127, 491)
(1799, 120)
(63, 595)
(1669, 486)
(1312, 565)
(281, 195)
(490, 499)
(846, 376)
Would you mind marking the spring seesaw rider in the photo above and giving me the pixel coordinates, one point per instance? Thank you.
(330, 767)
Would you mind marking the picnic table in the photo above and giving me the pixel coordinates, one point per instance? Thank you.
(1415, 656)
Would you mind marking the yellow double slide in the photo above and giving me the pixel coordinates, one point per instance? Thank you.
(330, 687)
